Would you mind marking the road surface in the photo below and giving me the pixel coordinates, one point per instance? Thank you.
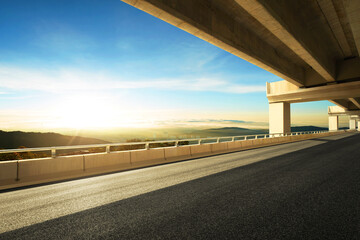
(303, 190)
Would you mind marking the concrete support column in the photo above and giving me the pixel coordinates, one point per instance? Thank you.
(352, 124)
(358, 125)
(333, 123)
(279, 118)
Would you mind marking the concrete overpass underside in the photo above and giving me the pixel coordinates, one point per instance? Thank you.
(313, 45)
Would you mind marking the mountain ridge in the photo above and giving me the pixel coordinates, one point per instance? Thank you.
(15, 139)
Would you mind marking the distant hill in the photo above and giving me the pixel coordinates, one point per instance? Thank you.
(236, 131)
(307, 128)
(228, 131)
(35, 139)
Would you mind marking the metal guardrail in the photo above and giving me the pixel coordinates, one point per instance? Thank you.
(198, 141)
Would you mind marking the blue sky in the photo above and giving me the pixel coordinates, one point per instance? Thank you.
(66, 62)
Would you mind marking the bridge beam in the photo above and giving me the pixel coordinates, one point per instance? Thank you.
(341, 103)
(355, 101)
(352, 8)
(283, 91)
(310, 44)
(282, 19)
(337, 111)
(210, 21)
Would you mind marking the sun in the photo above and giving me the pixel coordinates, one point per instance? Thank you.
(86, 111)
(99, 111)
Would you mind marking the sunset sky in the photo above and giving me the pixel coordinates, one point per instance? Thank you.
(96, 63)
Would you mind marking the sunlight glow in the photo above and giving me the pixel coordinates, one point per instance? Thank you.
(86, 111)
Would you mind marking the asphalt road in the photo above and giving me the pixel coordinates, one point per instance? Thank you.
(303, 190)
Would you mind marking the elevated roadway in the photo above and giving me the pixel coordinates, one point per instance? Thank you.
(313, 45)
(302, 190)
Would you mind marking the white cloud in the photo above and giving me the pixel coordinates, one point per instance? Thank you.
(63, 80)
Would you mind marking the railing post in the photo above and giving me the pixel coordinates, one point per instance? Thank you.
(217, 140)
(53, 152)
(245, 137)
(255, 136)
(107, 149)
(233, 139)
(147, 146)
(176, 143)
(199, 141)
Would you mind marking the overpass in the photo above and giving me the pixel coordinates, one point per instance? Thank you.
(307, 187)
(313, 45)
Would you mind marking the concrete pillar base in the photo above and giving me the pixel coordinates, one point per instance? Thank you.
(279, 118)
(333, 123)
(352, 124)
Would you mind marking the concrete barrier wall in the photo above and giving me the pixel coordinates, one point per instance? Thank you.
(8, 172)
(32, 171)
(247, 144)
(236, 145)
(219, 147)
(255, 142)
(261, 142)
(268, 141)
(103, 162)
(37, 169)
(282, 139)
(200, 150)
(177, 153)
(141, 158)
(288, 139)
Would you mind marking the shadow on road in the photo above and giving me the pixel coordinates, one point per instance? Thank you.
(309, 194)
